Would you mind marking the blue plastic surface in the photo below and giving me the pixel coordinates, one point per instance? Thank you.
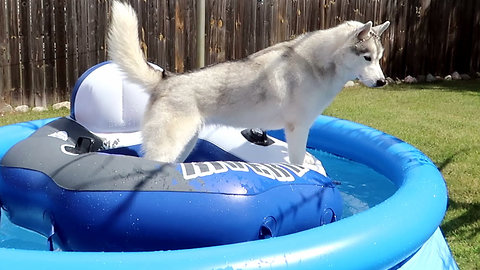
(406, 224)
(94, 201)
(12, 134)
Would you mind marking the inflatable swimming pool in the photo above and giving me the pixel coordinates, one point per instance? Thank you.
(399, 233)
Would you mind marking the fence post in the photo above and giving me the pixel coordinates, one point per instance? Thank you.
(200, 33)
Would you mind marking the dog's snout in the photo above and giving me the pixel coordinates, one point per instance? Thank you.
(381, 82)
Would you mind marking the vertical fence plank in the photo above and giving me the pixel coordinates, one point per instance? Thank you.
(71, 40)
(464, 35)
(233, 17)
(37, 56)
(397, 30)
(281, 23)
(61, 71)
(81, 20)
(101, 30)
(387, 37)
(211, 33)
(259, 27)
(92, 35)
(313, 15)
(49, 52)
(215, 41)
(26, 52)
(270, 23)
(475, 57)
(15, 95)
(179, 33)
(150, 29)
(141, 9)
(164, 33)
(296, 18)
(250, 18)
(444, 33)
(191, 35)
(170, 20)
(5, 62)
(185, 35)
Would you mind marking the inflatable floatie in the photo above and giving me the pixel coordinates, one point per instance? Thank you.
(87, 188)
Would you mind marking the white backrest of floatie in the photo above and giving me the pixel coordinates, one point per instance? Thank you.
(105, 101)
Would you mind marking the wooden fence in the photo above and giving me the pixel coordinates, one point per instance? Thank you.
(45, 45)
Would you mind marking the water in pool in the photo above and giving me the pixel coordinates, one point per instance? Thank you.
(361, 188)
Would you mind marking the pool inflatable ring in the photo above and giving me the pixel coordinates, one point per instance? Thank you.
(399, 233)
(70, 185)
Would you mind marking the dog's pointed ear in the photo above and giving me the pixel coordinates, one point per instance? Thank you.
(379, 29)
(363, 31)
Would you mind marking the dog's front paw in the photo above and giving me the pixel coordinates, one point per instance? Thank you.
(310, 162)
(309, 159)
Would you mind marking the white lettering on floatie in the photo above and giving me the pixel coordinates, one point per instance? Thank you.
(281, 172)
(62, 135)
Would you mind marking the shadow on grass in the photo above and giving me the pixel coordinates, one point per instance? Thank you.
(454, 86)
(441, 166)
(471, 211)
(464, 224)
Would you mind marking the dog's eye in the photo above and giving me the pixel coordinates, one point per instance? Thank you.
(368, 58)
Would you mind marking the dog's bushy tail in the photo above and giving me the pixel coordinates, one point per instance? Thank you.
(124, 46)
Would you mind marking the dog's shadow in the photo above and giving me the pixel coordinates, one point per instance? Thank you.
(465, 215)
(463, 224)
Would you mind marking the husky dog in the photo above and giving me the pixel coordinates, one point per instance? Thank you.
(284, 86)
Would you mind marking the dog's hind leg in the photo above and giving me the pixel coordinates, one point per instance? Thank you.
(188, 147)
(169, 137)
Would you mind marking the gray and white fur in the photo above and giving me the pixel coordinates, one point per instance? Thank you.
(284, 86)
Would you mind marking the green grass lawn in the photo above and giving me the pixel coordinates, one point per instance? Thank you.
(442, 120)
(10, 118)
